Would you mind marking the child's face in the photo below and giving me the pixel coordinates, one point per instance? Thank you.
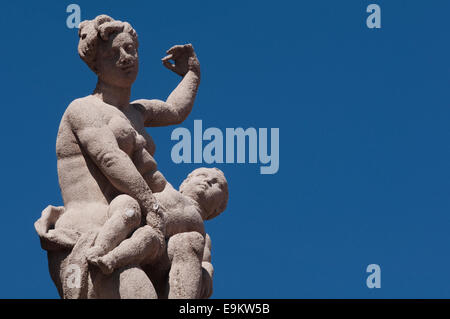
(206, 186)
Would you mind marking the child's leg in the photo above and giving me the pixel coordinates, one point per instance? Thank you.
(124, 217)
(142, 247)
(186, 253)
(207, 271)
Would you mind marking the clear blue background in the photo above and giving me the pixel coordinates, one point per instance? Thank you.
(364, 137)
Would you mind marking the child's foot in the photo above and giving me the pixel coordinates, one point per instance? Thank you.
(104, 265)
(93, 253)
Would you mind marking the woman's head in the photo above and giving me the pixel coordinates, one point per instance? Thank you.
(109, 48)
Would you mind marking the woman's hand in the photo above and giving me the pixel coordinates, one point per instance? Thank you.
(184, 58)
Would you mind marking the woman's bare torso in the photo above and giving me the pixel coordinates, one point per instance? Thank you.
(85, 190)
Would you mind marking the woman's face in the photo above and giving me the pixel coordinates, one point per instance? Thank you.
(117, 60)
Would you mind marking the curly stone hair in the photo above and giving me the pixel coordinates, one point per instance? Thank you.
(99, 29)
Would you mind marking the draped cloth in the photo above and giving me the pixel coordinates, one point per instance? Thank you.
(74, 272)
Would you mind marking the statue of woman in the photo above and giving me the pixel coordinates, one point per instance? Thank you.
(105, 160)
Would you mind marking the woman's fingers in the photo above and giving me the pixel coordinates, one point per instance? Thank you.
(179, 49)
(167, 57)
(168, 65)
(179, 54)
(175, 50)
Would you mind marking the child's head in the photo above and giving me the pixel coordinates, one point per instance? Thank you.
(209, 188)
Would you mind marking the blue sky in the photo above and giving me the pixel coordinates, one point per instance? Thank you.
(363, 116)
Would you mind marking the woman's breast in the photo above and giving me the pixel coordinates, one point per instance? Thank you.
(124, 133)
(144, 162)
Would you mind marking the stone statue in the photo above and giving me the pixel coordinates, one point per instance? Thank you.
(124, 231)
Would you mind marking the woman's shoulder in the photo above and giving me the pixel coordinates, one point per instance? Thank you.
(81, 109)
(81, 102)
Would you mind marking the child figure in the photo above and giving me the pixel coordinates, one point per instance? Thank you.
(203, 195)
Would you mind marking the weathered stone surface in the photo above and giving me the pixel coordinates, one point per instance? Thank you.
(124, 230)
